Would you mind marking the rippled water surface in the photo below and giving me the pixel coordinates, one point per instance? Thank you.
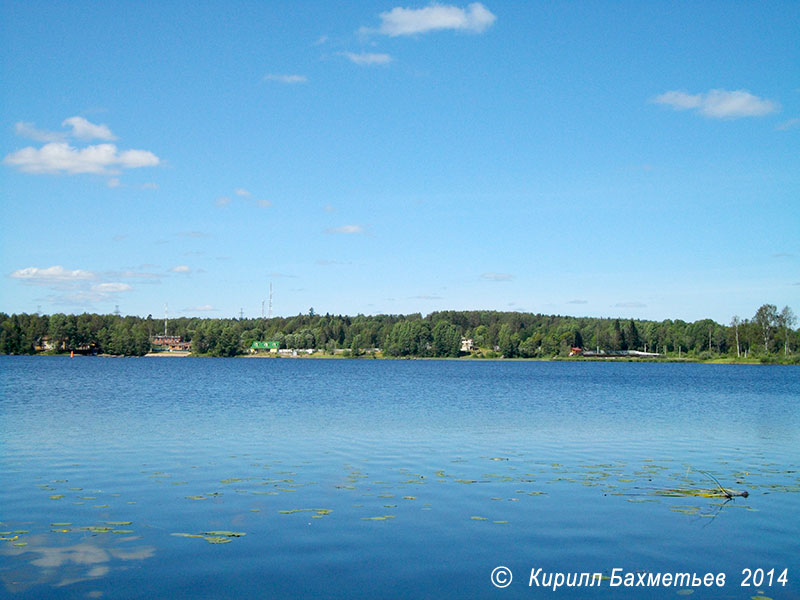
(238, 478)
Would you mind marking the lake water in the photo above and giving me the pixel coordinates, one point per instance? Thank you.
(392, 479)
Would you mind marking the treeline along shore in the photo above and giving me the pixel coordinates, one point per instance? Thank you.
(769, 336)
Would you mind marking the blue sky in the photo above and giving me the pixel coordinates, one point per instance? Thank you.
(631, 159)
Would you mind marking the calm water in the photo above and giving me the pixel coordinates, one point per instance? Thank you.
(391, 479)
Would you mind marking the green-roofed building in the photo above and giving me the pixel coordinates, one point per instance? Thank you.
(269, 345)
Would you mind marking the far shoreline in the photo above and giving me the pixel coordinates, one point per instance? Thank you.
(465, 359)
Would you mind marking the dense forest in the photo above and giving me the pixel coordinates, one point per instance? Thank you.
(769, 334)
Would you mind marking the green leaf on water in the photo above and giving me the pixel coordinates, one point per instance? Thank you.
(118, 522)
(225, 533)
(216, 539)
(187, 535)
(56, 496)
(479, 518)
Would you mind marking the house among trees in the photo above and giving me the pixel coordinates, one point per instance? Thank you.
(169, 343)
(269, 345)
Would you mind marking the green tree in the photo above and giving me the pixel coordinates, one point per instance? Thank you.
(634, 341)
(446, 339)
(508, 342)
(766, 318)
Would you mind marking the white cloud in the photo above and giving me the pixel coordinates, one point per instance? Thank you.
(324, 262)
(790, 124)
(60, 157)
(201, 308)
(476, 18)
(81, 129)
(180, 269)
(30, 131)
(242, 192)
(264, 203)
(367, 58)
(111, 287)
(719, 104)
(497, 276)
(290, 79)
(55, 274)
(113, 182)
(346, 229)
(222, 201)
(84, 130)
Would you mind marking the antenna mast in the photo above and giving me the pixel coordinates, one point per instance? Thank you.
(270, 299)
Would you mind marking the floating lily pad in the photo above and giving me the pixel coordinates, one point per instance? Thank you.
(56, 496)
(217, 539)
(479, 518)
(225, 533)
(118, 522)
(97, 529)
